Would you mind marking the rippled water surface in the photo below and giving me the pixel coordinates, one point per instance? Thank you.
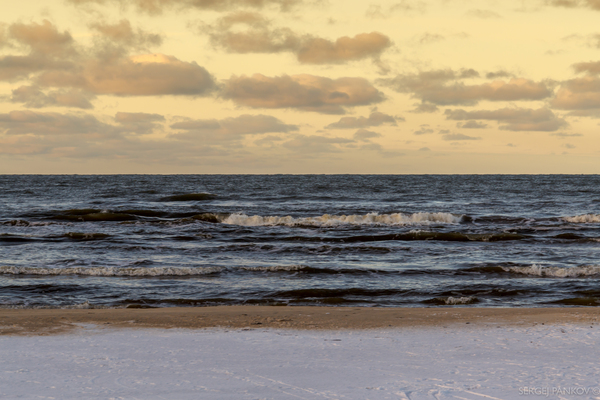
(144, 240)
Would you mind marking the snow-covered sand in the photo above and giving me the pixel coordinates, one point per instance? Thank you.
(412, 363)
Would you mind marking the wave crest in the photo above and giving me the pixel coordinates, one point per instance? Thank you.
(556, 272)
(336, 220)
(583, 219)
(112, 271)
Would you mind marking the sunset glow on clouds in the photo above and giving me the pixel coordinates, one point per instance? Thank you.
(300, 86)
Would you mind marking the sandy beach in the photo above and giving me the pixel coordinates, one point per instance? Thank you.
(300, 353)
(54, 321)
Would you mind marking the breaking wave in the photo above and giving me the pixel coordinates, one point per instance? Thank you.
(336, 220)
(452, 301)
(112, 271)
(555, 272)
(583, 219)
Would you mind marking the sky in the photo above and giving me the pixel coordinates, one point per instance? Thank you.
(300, 86)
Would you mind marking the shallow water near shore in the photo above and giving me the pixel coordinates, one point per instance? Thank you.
(195, 240)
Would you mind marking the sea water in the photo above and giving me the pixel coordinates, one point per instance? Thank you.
(365, 240)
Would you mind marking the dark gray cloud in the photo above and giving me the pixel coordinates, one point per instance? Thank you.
(374, 119)
(446, 87)
(303, 92)
(33, 97)
(260, 37)
(513, 119)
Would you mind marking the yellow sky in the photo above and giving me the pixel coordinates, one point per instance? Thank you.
(300, 86)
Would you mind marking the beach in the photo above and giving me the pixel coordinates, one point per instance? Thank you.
(248, 352)
(56, 321)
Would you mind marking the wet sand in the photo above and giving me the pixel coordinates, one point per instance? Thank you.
(57, 321)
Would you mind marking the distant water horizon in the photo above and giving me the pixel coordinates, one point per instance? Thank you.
(417, 240)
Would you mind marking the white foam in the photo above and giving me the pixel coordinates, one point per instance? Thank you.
(275, 268)
(556, 272)
(336, 220)
(111, 271)
(583, 219)
(459, 300)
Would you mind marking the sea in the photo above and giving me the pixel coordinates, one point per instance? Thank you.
(141, 241)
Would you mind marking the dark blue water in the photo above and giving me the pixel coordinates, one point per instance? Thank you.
(194, 240)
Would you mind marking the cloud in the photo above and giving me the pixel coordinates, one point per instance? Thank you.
(3, 36)
(425, 108)
(365, 135)
(564, 134)
(458, 136)
(323, 51)
(55, 61)
(445, 87)
(43, 39)
(593, 4)
(18, 67)
(484, 14)
(231, 128)
(404, 6)
(303, 92)
(260, 37)
(84, 136)
(514, 119)
(33, 97)
(423, 130)
(471, 125)
(581, 94)
(144, 75)
(314, 144)
(430, 38)
(49, 124)
(156, 7)
(121, 36)
(375, 119)
(139, 123)
(48, 49)
(499, 74)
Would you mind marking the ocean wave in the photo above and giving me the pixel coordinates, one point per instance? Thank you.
(555, 272)
(189, 197)
(453, 301)
(337, 220)
(583, 219)
(112, 271)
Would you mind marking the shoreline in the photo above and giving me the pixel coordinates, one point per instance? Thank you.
(62, 321)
